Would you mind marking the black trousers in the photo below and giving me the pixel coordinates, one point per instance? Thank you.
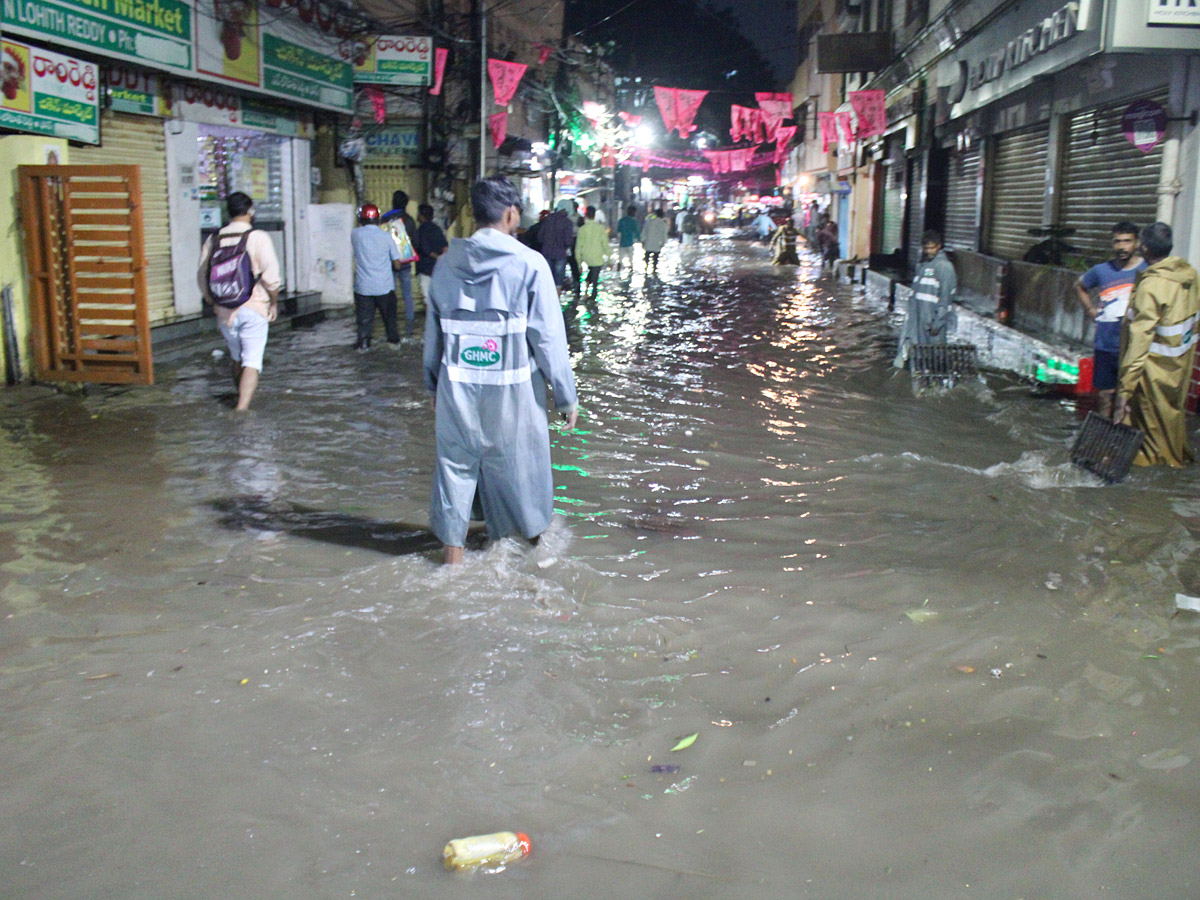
(652, 259)
(364, 314)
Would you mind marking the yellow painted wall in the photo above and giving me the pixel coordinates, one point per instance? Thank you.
(15, 151)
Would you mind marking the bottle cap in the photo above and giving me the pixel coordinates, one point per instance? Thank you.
(523, 840)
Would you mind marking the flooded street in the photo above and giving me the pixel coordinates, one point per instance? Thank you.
(924, 656)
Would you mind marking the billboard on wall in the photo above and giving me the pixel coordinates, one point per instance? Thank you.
(395, 60)
(48, 93)
(232, 42)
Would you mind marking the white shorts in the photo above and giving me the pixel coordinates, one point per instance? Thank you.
(425, 281)
(246, 336)
(625, 255)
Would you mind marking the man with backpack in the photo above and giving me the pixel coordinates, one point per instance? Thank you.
(239, 277)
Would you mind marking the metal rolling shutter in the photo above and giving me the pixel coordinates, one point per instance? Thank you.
(1017, 191)
(1106, 179)
(962, 201)
(138, 140)
(381, 180)
(891, 233)
(916, 208)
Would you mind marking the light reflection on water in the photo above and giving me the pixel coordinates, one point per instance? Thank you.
(234, 667)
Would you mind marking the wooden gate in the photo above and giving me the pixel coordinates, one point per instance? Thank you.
(84, 250)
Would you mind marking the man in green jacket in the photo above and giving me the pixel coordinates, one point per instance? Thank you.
(1158, 348)
(591, 248)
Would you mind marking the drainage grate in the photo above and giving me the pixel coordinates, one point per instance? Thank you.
(943, 364)
(1105, 448)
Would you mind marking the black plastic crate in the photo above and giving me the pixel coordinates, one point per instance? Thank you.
(1106, 448)
(943, 364)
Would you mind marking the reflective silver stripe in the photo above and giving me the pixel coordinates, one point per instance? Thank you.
(472, 375)
(926, 298)
(1164, 350)
(1173, 330)
(511, 325)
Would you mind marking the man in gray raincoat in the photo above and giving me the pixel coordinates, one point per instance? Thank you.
(494, 337)
(931, 307)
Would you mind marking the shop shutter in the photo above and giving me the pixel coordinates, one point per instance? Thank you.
(1017, 191)
(915, 222)
(381, 180)
(891, 233)
(962, 201)
(1106, 179)
(138, 140)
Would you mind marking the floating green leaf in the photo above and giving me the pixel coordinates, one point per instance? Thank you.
(686, 742)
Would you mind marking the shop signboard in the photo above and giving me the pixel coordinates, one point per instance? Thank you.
(286, 121)
(1173, 12)
(1026, 41)
(225, 41)
(158, 32)
(1144, 123)
(212, 105)
(48, 93)
(136, 91)
(395, 142)
(395, 60)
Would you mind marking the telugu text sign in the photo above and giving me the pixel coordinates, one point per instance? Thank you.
(158, 32)
(396, 60)
(48, 93)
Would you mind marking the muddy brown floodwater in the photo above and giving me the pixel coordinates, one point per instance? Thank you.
(923, 655)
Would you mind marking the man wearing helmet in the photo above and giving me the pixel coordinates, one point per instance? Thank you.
(376, 257)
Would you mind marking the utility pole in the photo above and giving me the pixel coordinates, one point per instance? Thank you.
(483, 89)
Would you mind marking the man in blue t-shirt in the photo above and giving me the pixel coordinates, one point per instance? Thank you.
(1104, 291)
(629, 232)
(376, 258)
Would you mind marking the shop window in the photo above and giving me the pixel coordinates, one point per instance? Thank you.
(234, 160)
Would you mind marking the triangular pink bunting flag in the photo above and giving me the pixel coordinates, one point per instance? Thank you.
(828, 122)
(846, 124)
(678, 108)
(439, 69)
(544, 52)
(775, 104)
(629, 119)
(871, 109)
(498, 126)
(505, 78)
(686, 108)
(783, 135)
(666, 100)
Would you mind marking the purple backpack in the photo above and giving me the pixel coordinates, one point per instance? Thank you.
(231, 279)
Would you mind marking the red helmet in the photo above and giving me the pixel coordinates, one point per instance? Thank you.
(369, 212)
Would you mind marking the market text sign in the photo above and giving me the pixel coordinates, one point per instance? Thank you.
(1174, 12)
(296, 71)
(396, 60)
(156, 31)
(48, 93)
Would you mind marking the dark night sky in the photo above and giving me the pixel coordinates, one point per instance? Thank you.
(771, 25)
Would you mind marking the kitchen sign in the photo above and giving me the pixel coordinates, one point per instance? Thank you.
(1174, 12)
(48, 93)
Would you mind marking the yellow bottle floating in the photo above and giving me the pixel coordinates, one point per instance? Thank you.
(486, 851)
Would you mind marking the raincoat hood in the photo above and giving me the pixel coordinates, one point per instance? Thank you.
(1175, 269)
(479, 259)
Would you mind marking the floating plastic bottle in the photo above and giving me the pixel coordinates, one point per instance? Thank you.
(490, 851)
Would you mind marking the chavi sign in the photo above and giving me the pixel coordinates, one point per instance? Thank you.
(1145, 124)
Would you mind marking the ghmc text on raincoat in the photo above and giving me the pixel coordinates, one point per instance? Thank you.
(494, 337)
